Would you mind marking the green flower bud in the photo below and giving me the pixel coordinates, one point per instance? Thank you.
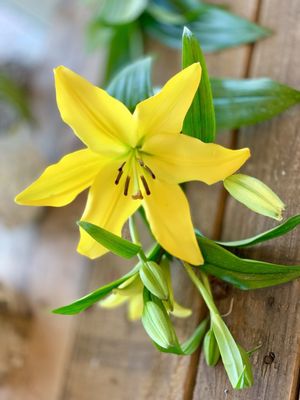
(158, 325)
(255, 195)
(154, 278)
(211, 349)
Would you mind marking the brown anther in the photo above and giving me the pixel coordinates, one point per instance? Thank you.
(142, 164)
(137, 196)
(145, 184)
(150, 171)
(126, 185)
(120, 173)
(121, 167)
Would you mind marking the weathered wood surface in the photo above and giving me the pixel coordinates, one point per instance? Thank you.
(100, 355)
(268, 317)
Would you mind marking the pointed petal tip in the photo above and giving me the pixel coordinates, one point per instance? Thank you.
(59, 68)
(196, 259)
(23, 200)
(84, 252)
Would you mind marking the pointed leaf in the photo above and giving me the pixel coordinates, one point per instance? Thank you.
(114, 243)
(234, 362)
(116, 12)
(243, 273)
(200, 120)
(287, 226)
(92, 298)
(246, 379)
(215, 27)
(133, 83)
(249, 101)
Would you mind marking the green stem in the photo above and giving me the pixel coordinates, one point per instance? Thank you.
(205, 293)
(136, 239)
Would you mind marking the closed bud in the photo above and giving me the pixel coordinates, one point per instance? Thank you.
(158, 325)
(255, 195)
(211, 349)
(154, 278)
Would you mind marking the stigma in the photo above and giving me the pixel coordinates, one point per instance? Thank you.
(137, 178)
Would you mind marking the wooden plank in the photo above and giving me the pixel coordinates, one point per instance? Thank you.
(269, 317)
(113, 358)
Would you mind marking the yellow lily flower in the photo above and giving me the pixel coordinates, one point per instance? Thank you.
(132, 160)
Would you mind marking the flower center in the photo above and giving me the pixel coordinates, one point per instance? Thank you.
(137, 176)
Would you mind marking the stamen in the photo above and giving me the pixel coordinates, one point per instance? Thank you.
(120, 169)
(126, 185)
(118, 177)
(150, 171)
(145, 184)
(142, 164)
(137, 196)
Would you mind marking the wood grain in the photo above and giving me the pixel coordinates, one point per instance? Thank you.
(268, 317)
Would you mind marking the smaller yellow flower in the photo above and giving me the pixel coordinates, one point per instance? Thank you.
(132, 160)
(131, 292)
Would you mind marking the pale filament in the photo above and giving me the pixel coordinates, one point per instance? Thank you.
(138, 172)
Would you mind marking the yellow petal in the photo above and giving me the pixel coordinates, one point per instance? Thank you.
(180, 311)
(165, 112)
(106, 207)
(135, 307)
(100, 121)
(181, 158)
(60, 183)
(112, 301)
(168, 213)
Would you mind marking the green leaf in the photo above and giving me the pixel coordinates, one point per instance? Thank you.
(246, 378)
(273, 233)
(255, 195)
(243, 273)
(133, 83)
(93, 297)
(87, 301)
(125, 46)
(200, 120)
(116, 12)
(215, 28)
(114, 243)
(234, 362)
(232, 359)
(191, 345)
(249, 101)
(211, 349)
(13, 94)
